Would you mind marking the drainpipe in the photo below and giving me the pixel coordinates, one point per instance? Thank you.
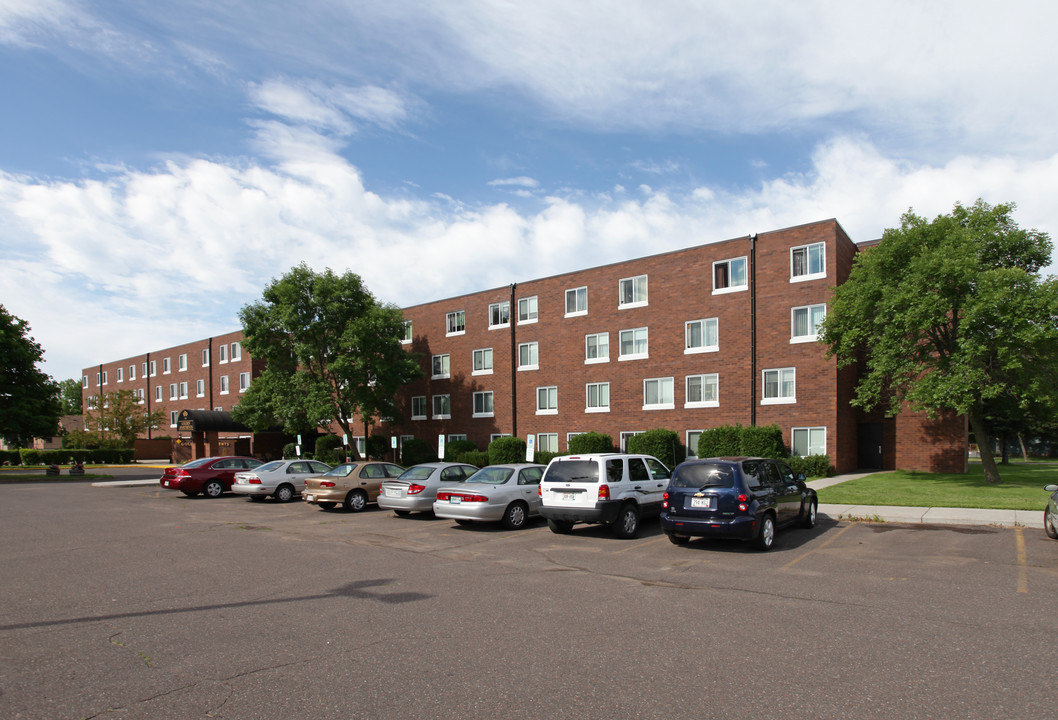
(753, 329)
(514, 365)
(209, 370)
(147, 379)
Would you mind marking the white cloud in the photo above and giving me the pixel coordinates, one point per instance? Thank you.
(330, 108)
(522, 181)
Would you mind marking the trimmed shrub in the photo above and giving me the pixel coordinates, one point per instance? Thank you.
(10, 457)
(762, 441)
(415, 451)
(329, 449)
(506, 450)
(455, 448)
(377, 446)
(813, 466)
(663, 444)
(722, 441)
(590, 442)
(110, 456)
(477, 458)
(543, 458)
(290, 451)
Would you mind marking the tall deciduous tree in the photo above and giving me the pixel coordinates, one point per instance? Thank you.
(332, 352)
(70, 396)
(29, 399)
(951, 315)
(121, 418)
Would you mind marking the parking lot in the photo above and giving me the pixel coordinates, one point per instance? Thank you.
(137, 602)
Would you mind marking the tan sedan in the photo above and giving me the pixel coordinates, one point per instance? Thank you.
(353, 485)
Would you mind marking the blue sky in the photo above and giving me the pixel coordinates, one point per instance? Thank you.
(162, 161)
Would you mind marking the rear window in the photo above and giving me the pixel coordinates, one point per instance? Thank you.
(703, 476)
(417, 473)
(573, 471)
(342, 470)
(269, 467)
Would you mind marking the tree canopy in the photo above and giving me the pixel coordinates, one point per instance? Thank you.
(952, 314)
(70, 396)
(29, 399)
(332, 352)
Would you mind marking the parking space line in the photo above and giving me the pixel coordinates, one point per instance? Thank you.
(801, 557)
(1023, 565)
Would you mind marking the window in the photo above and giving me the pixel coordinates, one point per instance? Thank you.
(703, 391)
(132, 372)
(200, 388)
(141, 395)
(658, 394)
(809, 441)
(627, 435)
(528, 356)
(632, 292)
(92, 402)
(174, 416)
(223, 384)
(222, 354)
(527, 310)
(598, 397)
(633, 344)
(165, 366)
(154, 368)
(205, 357)
(236, 351)
(418, 407)
(407, 336)
(442, 407)
(547, 400)
(157, 393)
(500, 314)
(692, 443)
(454, 437)
(597, 348)
(805, 322)
(99, 379)
(483, 404)
(547, 442)
(84, 381)
(441, 366)
(183, 391)
(173, 391)
(181, 362)
(119, 375)
(244, 381)
(104, 377)
(779, 386)
(701, 336)
(456, 322)
(577, 301)
(729, 275)
(483, 361)
(808, 262)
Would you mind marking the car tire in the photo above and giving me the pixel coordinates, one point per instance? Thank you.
(1050, 524)
(626, 526)
(464, 522)
(809, 520)
(560, 527)
(256, 498)
(355, 501)
(284, 493)
(402, 513)
(212, 489)
(326, 505)
(515, 516)
(678, 539)
(766, 533)
(190, 493)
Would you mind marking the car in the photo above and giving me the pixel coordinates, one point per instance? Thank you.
(211, 476)
(496, 493)
(617, 489)
(416, 489)
(745, 498)
(353, 485)
(1050, 513)
(282, 479)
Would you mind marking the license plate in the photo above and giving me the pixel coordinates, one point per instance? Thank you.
(167, 483)
(569, 497)
(706, 502)
(455, 499)
(309, 498)
(390, 492)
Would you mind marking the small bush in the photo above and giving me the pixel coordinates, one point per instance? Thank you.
(813, 466)
(543, 458)
(415, 451)
(329, 449)
(722, 441)
(506, 450)
(290, 451)
(762, 441)
(377, 446)
(590, 442)
(477, 458)
(663, 444)
(455, 448)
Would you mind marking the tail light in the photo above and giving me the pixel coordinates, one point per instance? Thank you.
(665, 500)
(743, 502)
(445, 496)
(326, 483)
(415, 489)
(254, 480)
(183, 473)
(539, 491)
(604, 492)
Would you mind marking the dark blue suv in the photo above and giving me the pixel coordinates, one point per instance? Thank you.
(741, 498)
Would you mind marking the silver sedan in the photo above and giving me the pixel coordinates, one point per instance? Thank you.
(507, 493)
(416, 489)
(283, 479)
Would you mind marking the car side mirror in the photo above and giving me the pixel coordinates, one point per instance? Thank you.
(801, 477)
(1051, 488)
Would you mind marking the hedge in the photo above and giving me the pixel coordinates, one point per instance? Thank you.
(477, 458)
(663, 444)
(762, 441)
(722, 441)
(415, 451)
(329, 449)
(455, 448)
(10, 457)
(590, 442)
(68, 456)
(507, 449)
(811, 465)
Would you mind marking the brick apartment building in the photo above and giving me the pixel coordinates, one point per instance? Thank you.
(687, 340)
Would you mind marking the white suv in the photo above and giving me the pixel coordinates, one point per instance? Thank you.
(612, 488)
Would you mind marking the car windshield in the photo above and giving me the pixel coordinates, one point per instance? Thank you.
(491, 476)
(573, 471)
(340, 471)
(704, 475)
(269, 467)
(198, 463)
(417, 473)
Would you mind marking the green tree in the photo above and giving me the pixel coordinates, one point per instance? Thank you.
(332, 352)
(951, 315)
(29, 399)
(122, 418)
(70, 396)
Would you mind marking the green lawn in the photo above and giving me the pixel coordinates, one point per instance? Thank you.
(1021, 489)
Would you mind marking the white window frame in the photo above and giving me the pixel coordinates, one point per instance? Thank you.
(419, 400)
(244, 381)
(814, 335)
(84, 381)
(547, 400)
(588, 360)
(174, 391)
(601, 404)
(704, 325)
(132, 372)
(205, 357)
(119, 374)
(222, 353)
(486, 407)
(482, 357)
(533, 351)
(181, 362)
(627, 435)
(660, 384)
(441, 366)
(577, 292)
(183, 390)
(236, 352)
(200, 388)
(706, 379)
(154, 368)
(808, 249)
(407, 337)
(547, 442)
(166, 366)
(621, 357)
(634, 287)
(104, 377)
(730, 288)
(783, 377)
(692, 450)
(809, 432)
(224, 385)
(528, 310)
(439, 412)
(455, 323)
(174, 417)
(499, 315)
(158, 390)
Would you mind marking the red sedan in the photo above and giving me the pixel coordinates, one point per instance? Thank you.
(211, 476)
